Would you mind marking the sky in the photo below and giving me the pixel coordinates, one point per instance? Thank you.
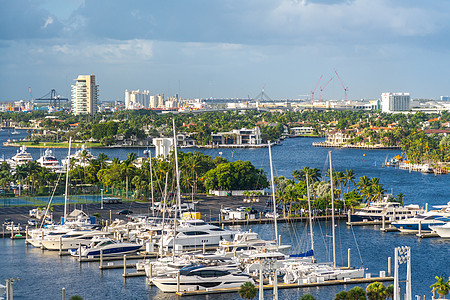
(226, 48)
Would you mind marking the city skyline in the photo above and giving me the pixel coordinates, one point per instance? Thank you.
(201, 49)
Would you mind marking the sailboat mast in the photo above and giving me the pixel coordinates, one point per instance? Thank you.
(176, 166)
(178, 199)
(310, 215)
(151, 182)
(273, 196)
(67, 181)
(332, 211)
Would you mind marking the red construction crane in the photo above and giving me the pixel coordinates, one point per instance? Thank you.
(312, 92)
(322, 88)
(343, 86)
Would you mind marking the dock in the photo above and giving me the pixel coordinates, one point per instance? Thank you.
(269, 220)
(289, 286)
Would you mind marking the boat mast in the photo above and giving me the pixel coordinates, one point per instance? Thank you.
(176, 166)
(67, 181)
(332, 211)
(310, 216)
(178, 199)
(151, 182)
(273, 195)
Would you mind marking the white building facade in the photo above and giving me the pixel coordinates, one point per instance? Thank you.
(137, 99)
(393, 102)
(84, 95)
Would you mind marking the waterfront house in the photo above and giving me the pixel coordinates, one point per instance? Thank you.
(237, 137)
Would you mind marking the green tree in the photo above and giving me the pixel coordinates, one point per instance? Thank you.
(390, 292)
(248, 290)
(376, 291)
(441, 286)
(357, 293)
(343, 295)
(128, 168)
(307, 297)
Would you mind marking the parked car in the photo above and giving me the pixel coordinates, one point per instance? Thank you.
(270, 215)
(7, 221)
(225, 210)
(14, 227)
(242, 208)
(124, 212)
(32, 222)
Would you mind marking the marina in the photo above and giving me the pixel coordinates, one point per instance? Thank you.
(371, 248)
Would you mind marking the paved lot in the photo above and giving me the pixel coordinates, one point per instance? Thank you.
(208, 206)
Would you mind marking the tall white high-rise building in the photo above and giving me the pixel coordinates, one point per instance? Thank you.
(392, 102)
(84, 95)
(137, 99)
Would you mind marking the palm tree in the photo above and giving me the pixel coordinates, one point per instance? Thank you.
(441, 286)
(128, 167)
(313, 174)
(248, 291)
(376, 291)
(400, 198)
(390, 292)
(357, 293)
(349, 177)
(378, 192)
(102, 158)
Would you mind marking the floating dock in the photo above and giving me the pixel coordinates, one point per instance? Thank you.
(289, 286)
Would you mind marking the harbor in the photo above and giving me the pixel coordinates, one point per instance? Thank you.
(370, 248)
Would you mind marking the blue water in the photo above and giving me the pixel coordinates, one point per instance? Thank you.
(44, 274)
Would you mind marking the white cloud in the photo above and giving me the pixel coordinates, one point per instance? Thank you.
(110, 51)
(48, 21)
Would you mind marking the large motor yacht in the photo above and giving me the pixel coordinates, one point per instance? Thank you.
(199, 277)
(390, 210)
(193, 234)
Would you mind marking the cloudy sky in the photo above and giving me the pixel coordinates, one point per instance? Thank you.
(226, 48)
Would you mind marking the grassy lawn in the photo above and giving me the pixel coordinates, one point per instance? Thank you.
(60, 145)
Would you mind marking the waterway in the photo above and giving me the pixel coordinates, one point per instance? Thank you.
(44, 274)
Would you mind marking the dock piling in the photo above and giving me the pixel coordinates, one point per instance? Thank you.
(383, 225)
(101, 258)
(60, 246)
(178, 281)
(420, 228)
(125, 265)
(389, 266)
(79, 253)
(204, 248)
(63, 294)
(348, 258)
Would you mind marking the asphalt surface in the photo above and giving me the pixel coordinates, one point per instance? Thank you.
(208, 206)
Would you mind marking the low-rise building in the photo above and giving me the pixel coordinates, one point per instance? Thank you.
(237, 137)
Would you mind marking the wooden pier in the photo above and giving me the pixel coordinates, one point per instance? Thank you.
(289, 286)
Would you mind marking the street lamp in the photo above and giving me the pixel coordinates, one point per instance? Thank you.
(102, 199)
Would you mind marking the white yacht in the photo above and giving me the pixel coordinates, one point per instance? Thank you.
(72, 239)
(48, 160)
(109, 246)
(247, 243)
(390, 210)
(199, 277)
(21, 157)
(435, 217)
(193, 234)
(81, 157)
(442, 230)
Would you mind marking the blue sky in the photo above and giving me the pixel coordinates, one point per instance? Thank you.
(226, 48)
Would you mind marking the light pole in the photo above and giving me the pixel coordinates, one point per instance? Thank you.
(101, 199)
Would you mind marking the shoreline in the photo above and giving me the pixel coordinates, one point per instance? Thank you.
(367, 147)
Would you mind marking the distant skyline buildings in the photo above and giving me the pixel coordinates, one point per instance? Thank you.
(84, 95)
(395, 102)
